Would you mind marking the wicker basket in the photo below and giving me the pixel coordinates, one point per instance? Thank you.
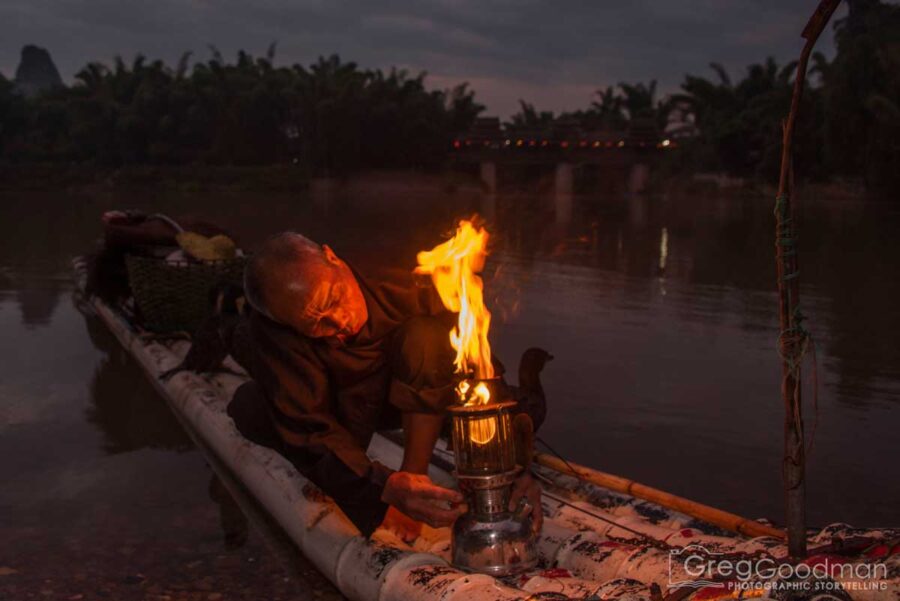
(173, 296)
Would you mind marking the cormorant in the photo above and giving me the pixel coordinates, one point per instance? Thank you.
(219, 335)
(530, 393)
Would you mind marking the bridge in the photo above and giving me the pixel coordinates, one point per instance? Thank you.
(620, 161)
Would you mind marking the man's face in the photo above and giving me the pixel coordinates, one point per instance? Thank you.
(325, 303)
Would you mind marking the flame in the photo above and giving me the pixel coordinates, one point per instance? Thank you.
(454, 267)
(480, 395)
(482, 430)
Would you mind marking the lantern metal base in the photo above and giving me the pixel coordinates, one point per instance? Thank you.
(501, 547)
(489, 538)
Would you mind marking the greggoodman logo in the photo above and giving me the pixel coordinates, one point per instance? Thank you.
(695, 566)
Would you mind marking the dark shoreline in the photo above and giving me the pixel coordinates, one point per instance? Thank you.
(286, 178)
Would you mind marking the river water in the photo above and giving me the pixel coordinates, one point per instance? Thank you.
(660, 312)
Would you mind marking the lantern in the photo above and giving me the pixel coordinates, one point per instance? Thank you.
(489, 538)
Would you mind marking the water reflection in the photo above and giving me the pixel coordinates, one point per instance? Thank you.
(234, 524)
(37, 298)
(723, 249)
(131, 417)
(102, 496)
(36, 295)
(661, 311)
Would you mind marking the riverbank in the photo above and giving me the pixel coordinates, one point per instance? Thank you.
(384, 184)
(81, 177)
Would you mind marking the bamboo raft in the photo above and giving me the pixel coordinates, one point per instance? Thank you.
(604, 537)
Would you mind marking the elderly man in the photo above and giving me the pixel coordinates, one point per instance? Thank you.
(336, 357)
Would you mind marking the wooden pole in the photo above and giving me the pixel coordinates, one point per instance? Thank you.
(723, 519)
(792, 339)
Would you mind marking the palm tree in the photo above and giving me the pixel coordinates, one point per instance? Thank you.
(332, 114)
(862, 86)
(737, 125)
(529, 117)
(645, 112)
(606, 111)
(92, 76)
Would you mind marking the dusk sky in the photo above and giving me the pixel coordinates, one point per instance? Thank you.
(554, 53)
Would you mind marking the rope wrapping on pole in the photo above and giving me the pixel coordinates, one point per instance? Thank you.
(793, 340)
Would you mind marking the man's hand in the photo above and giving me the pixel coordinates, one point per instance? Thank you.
(525, 486)
(421, 499)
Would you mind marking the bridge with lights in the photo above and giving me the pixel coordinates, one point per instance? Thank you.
(616, 160)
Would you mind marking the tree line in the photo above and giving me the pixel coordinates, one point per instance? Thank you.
(849, 121)
(335, 117)
(331, 116)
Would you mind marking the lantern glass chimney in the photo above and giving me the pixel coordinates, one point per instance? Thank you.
(483, 440)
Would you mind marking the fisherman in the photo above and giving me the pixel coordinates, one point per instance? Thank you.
(335, 358)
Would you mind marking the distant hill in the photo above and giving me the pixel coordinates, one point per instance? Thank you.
(36, 72)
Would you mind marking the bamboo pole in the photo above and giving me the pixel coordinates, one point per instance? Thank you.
(717, 517)
(792, 338)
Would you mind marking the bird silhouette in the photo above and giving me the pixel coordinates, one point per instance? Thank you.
(218, 335)
(529, 394)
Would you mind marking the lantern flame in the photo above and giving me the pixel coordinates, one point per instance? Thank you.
(482, 430)
(480, 395)
(454, 267)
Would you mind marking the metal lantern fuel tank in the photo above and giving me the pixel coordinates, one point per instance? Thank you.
(489, 538)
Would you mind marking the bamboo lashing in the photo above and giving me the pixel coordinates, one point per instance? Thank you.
(717, 517)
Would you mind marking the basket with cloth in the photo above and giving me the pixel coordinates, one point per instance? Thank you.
(169, 267)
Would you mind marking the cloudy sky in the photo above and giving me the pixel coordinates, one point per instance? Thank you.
(554, 53)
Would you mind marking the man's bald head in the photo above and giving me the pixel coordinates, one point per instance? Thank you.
(297, 282)
(288, 259)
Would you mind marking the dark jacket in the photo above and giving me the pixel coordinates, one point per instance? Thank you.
(326, 400)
